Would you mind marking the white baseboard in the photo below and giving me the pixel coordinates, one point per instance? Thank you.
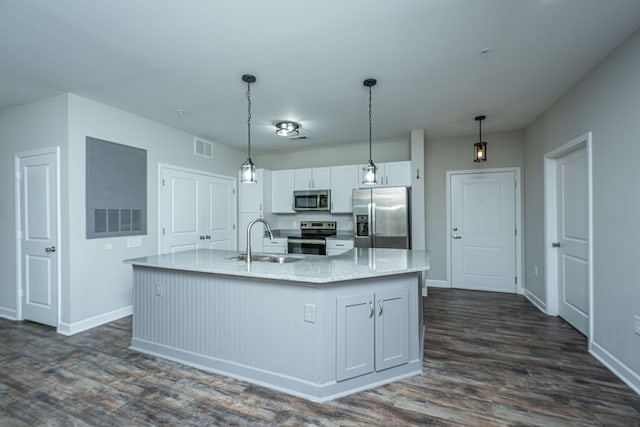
(92, 322)
(542, 306)
(438, 283)
(622, 371)
(8, 313)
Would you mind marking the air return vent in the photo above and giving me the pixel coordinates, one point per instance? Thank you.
(203, 148)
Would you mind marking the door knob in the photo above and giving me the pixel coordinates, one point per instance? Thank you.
(556, 244)
(456, 237)
(51, 249)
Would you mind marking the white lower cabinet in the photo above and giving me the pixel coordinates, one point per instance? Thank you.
(275, 246)
(372, 332)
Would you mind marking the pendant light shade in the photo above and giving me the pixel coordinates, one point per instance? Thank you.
(369, 175)
(480, 147)
(248, 168)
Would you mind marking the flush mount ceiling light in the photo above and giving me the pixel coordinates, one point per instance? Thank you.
(369, 170)
(480, 147)
(248, 168)
(287, 128)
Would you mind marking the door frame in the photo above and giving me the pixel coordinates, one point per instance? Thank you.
(162, 166)
(18, 226)
(518, 220)
(551, 222)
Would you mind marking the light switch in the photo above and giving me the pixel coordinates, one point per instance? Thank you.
(310, 313)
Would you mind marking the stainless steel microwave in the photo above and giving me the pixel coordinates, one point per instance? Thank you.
(312, 200)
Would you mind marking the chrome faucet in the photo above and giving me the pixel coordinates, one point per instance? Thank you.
(248, 256)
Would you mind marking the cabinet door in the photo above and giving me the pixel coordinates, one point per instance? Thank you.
(392, 328)
(397, 174)
(343, 180)
(355, 336)
(321, 178)
(302, 179)
(282, 191)
(251, 196)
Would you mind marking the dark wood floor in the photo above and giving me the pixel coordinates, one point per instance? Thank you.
(490, 359)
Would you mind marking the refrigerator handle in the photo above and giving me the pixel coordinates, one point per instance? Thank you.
(372, 223)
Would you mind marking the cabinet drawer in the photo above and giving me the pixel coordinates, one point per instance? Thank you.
(340, 244)
(275, 246)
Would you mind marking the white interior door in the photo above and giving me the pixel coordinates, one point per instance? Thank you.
(572, 244)
(39, 265)
(198, 210)
(483, 231)
(218, 215)
(180, 210)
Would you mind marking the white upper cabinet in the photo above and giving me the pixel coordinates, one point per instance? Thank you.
(389, 174)
(312, 178)
(282, 191)
(343, 180)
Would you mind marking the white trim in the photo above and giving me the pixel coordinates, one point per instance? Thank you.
(550, 223)
(92, 322)
(18, 227)
(8, 313)
(620, 369)
(535, 300)
(438, 283)
(162, 166)
(518, 212)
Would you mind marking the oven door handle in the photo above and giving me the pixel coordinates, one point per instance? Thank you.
(308, 241)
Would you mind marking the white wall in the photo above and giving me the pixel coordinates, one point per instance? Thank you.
(442, 155)
(37, 125)
(297, 155)
(99, 282)
(606, 102)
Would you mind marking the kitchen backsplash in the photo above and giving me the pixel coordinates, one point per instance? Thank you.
(344, 222)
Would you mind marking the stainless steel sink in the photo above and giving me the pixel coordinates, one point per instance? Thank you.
(267, 258)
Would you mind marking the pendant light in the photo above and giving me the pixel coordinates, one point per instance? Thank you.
(480, 147)
(369, 170)
(248, 168)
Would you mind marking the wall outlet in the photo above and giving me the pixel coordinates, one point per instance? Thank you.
(535, 270)
(310, 313)
(636, 324)
(159, 290)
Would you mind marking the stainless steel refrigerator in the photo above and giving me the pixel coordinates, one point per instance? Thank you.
(381, 217)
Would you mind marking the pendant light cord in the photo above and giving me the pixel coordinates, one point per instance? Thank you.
(249, 119)
(370, 124)
(480, 130)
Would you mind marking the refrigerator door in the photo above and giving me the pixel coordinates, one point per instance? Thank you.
(362, 218)
(391, 226)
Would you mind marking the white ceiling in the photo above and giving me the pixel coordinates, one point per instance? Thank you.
(153, 57)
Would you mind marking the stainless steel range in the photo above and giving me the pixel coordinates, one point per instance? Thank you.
(312, 238)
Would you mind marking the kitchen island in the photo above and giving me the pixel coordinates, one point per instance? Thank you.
(317, 327)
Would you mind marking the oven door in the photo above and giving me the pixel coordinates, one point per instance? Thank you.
(307, 246)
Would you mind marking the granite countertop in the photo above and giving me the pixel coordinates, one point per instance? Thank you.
(357, 263)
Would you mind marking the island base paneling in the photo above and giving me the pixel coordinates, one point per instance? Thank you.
(261, 331)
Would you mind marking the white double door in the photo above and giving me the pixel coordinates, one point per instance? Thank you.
(197, 210)
(39, 264)
(483, 231)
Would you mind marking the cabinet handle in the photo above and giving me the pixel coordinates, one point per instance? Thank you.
(201, 237)
(371, 309)
(260, 209)
(207, 237)
(380, 305)
(51, 249)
